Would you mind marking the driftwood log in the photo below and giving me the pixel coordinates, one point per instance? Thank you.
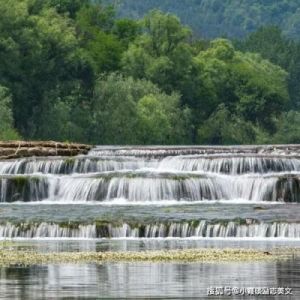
(19, 149)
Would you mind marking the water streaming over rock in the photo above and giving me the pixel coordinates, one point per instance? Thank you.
(160, 175)
(231, 164)
(153, 174)
(165, 151)
(145, 187)
(83, 164)
(197, 229)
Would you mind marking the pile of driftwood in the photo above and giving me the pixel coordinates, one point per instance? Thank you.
(18, 149)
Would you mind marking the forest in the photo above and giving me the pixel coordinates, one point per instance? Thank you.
(75, 70)
(215, 18)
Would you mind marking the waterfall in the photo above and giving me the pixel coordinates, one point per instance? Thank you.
(71, 165)
(176, 178)
(231, 164)
(45, 230)
(24, 188)
(196, 229)
(165, 151)
(131, 176)
(161, 152)
(145, 187)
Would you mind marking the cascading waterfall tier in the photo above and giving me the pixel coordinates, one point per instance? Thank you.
(223, 164)
(23, 188)
(231, 164)
(195, 229)
(154, 175)
(83, 164)
(149, 186)
(164, 151)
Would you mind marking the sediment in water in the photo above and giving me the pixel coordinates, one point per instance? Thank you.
(13, 257)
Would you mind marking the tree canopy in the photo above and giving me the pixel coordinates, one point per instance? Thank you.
(74, 70)
(219, 18)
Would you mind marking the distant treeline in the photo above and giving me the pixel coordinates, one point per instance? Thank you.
(70, 70)
(214, 18)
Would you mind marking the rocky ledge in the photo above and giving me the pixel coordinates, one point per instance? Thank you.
(19, 149)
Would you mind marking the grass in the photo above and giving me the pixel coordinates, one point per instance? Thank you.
(21, 257)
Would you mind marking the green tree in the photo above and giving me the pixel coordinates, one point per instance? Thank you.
(216, 18)
(288, 128)
(61, 63)
(246, 84)
(102, 47)
(224, 128)
(69, 7)
(161, 54)
(160, 120)
(65, 118)
(273, 45)
(124, 109)
(7, 131)
(126, 31)
(40, 52)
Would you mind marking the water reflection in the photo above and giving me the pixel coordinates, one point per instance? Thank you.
(151, 244)
(145, 280)
(134, 280)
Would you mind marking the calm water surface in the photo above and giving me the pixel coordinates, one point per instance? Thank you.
(145, 280)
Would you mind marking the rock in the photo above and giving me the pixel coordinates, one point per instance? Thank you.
(19, 149)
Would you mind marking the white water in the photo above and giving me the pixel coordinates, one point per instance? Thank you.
(144, 187)
(164, 151)
(232, 164)
(174, 230)
(155, 189)
(154, 176)
(68, 166)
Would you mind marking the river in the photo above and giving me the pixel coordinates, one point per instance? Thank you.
(149, 198)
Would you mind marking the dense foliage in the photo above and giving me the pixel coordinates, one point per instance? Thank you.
(72, 70)
(136, 111)
(274, 46)
(7, 132)
(214, 18)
